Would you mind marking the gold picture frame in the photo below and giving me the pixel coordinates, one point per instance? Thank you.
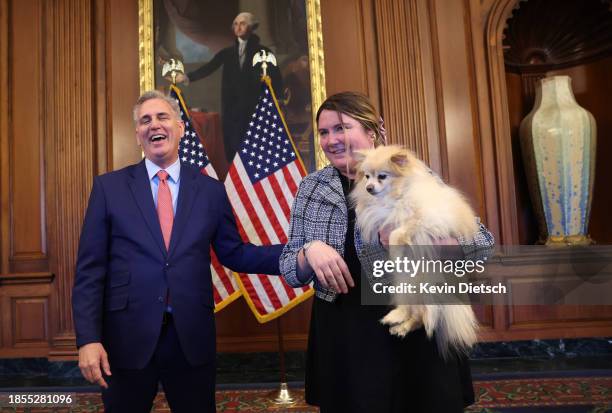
(315, 57)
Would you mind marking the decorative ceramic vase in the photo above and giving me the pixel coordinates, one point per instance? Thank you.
(558, 144)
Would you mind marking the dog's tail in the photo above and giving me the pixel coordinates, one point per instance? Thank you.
(456, 329)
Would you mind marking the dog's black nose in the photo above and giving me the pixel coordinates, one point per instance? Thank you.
(370, 188)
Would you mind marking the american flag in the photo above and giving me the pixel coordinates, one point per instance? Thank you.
(192, 152)
(261, 185)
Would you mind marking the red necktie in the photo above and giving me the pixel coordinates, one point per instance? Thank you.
(165, 212)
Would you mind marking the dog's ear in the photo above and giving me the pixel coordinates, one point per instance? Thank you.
(400, 158)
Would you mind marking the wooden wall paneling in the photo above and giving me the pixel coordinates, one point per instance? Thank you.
(462, 129)
(370, 46)
(24, 304)
(521, 316)
(30, 321)
(123, 80)
(432, 87)
(465, 162)
(403, 30)
(346, 24)
(103, 124)
(70, 149)
(494, 18)
(239, 331)
(527, 223)
(28, 249)
(4, 142)
(477, 20)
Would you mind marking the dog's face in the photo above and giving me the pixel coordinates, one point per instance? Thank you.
(379, 169)
(378, 182)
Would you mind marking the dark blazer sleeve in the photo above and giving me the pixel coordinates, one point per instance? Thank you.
(91, 269)
(238, 255)
(209, 67)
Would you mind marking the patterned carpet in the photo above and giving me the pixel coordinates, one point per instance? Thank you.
(551, 395)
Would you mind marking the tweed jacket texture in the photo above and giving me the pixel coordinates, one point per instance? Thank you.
(320, 213)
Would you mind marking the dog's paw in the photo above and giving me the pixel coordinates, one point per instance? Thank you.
(404, 328)
(395, 316)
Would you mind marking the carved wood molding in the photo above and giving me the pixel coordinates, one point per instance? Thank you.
(547, 35)
(498, 95)
(406, 76)
(70, 146)
(27, 278)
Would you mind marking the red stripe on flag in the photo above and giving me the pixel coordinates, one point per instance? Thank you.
(289, 290)
(252, 293)
(278, 194)
(290, 182)
(221, 272)
(270, 291)
(244, 198)
(300, 167)
(270, 213)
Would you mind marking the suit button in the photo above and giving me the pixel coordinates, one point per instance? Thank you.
(167, 265)
(160, 299)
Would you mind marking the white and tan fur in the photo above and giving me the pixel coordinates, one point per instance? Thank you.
(396, 190)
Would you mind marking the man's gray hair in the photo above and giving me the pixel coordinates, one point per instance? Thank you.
(156, 94)
(250, 20)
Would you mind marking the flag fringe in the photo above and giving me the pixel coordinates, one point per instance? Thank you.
(264, 318)
(228, 300)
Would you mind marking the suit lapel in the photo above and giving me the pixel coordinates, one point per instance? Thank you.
(186, 197)
(141, 189)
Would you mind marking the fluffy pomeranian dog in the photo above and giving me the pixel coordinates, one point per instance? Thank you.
(396, 190)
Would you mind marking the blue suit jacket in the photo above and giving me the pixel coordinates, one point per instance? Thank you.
(124, 271)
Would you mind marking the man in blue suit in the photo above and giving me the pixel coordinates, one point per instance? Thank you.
(142, 299)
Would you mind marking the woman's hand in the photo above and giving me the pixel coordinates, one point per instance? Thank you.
(329, 267)
(383, 235)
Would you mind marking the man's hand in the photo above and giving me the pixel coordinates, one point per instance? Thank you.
(329, 267)
(92, 356)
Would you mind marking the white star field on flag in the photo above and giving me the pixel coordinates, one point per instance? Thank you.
(267, 147)
(191, 150)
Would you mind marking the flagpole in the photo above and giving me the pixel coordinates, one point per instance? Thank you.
(282, 396)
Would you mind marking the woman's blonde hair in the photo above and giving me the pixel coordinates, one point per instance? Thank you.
(357, 106)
